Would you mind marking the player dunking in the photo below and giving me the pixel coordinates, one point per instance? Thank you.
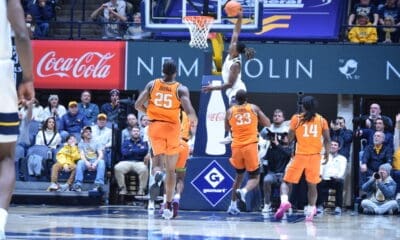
(12, 13)
(165, 97)
(308, 128)
(231, 69)
(231, 73)
(242, 119)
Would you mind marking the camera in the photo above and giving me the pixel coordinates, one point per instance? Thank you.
(271, 136)
(377, 175)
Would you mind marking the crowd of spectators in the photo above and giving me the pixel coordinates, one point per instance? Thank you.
(374, 21)
(369, 21)
(81, 139)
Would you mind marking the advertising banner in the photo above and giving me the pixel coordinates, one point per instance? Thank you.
(281, 68)
(79, 64)
(297, 19)
(145, 59)
(209, 181)
(324, 68)
(211, 127)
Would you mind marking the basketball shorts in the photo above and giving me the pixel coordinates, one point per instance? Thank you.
(245, 157)
(309, 164)
(9, 121)
(164, 137)
(183, 156)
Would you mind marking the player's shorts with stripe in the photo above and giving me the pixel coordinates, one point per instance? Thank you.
(9, 121)
(164, 137)
(310, 164)
(245, 157)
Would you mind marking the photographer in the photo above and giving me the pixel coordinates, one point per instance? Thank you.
(381, 189)
(278, 156)
(374, 155)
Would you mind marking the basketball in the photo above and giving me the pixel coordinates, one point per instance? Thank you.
(232, 8)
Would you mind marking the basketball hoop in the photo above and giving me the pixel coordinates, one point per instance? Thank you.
(199, 26)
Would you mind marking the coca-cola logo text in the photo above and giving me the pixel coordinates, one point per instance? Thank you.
(219, 116)
(89, 65)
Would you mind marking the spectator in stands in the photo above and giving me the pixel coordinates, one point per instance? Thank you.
(24, 139)
(30, 24)
(131, 122)
(66, 161)
(112, 19)
(73, 121)
(118, 5)
(345, 136)
(396, 155)
(90, 110)
(135, 30)
(382, 191)
(102, 135)
(48, 135)
(364, 32)
(144, 122)
(54, 109)
(42, 12)
(368, 120)
(374, 155)
(135, 5)
(390, 9)
(332, 175)
(368, 133)
(37, 111)
(389, 33)
(91, 160)
(135, 158)
(364, 8)
(111, 108)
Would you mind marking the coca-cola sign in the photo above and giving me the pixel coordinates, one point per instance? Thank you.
(216, 116)
(79, 64)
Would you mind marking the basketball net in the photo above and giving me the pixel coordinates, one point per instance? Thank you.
(199, 27)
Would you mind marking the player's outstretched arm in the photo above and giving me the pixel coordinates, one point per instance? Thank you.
(236, 32)
(143, 98)
(233, 73)
(184, 95)
(264, 120)
(15, 15)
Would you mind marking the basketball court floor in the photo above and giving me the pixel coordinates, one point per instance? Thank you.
(134, 222)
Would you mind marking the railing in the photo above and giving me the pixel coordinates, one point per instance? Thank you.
(78, 25)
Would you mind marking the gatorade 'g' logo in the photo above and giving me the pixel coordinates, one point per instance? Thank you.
(214, 177)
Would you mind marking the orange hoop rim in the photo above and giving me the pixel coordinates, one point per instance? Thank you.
(200, 21)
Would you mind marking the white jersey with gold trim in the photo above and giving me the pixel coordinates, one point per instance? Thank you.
(239, 84)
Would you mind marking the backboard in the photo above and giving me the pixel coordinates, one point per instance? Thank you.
(167, 15)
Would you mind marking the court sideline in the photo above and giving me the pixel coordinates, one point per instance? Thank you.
(134, 222)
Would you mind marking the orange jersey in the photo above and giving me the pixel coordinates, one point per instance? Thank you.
(185, 127)
(164, 103)
(308, 134)
(244, 123)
